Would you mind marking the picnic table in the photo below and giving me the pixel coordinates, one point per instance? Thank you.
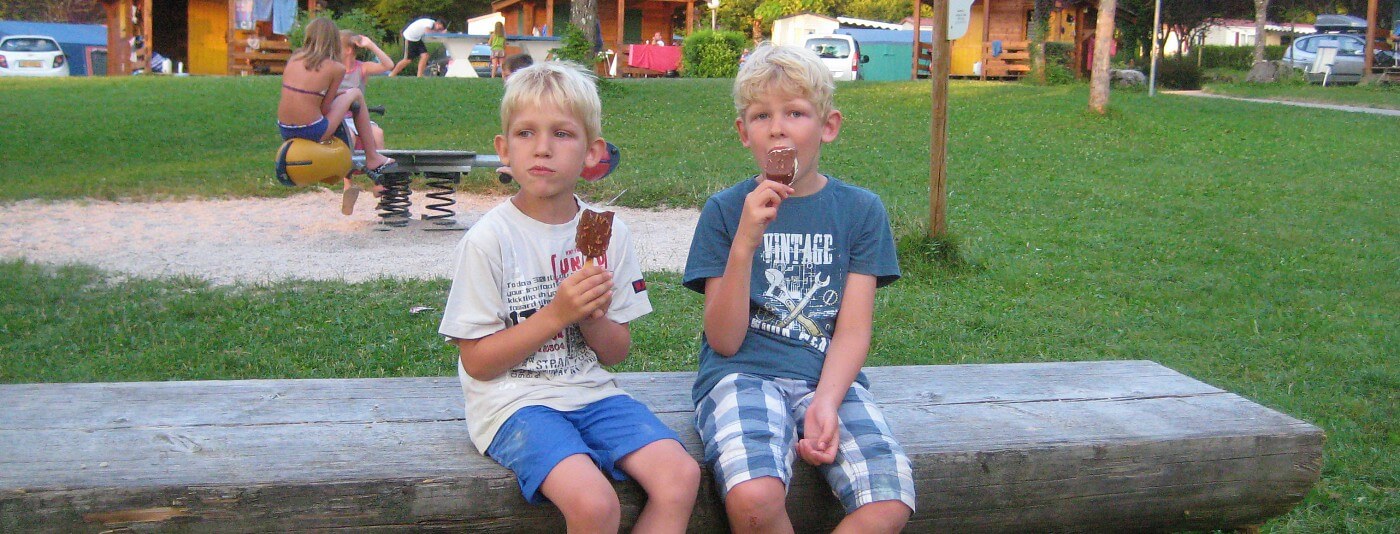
(459, 48)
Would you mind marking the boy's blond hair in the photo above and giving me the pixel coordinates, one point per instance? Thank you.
(564, 85)
(791, 70)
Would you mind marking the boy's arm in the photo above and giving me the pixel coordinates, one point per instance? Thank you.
(727, 297)
(578, 297)
(850, 344)
(609, 339)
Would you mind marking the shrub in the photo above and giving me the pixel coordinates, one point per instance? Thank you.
(713, 54)
(358, 20)
(1179, 73)
(1058, 70)
(574, 46)
(1234, 57)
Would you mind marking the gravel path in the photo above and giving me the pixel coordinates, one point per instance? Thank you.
(256, 240)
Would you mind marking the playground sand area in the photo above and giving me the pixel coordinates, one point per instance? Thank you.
(303, 236)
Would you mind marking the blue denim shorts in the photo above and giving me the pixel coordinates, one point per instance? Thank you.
(312, 131)
(750, 426)
(535, 439)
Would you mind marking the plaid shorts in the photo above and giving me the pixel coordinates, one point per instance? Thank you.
(750, 426)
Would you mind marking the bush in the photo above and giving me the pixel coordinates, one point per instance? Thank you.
(1234, 57)
(574, 46)
(713, 54)
(1058, 57)
(1179, 73)
(358, 20)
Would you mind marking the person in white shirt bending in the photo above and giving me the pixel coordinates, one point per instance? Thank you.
(413, 47)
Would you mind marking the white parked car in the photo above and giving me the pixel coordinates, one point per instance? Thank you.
(31, 55)
(840, 53)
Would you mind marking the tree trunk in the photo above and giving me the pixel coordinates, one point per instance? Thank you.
(1261, 19)
(583, 14)
(1103, 55)
(1040, 16)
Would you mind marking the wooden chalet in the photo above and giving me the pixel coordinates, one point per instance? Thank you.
(998, 36)
(206, 36)
(622, 22)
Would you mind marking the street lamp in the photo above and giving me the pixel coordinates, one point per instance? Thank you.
(714, 6)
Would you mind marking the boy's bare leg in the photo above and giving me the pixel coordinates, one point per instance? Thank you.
(422, 64)
(876, 517)
(671, 479)
(758, 505)
(584, 495)
(399, 66)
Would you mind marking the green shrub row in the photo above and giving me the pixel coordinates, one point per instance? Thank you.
(1234, 57)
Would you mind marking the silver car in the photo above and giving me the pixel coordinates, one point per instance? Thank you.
(1351, 51)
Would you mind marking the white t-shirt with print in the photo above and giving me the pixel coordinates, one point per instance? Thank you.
(416, 29)
(508, 267)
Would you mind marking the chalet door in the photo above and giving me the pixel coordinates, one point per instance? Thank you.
(208, 42)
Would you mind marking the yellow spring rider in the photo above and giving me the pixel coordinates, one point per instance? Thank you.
(303, 162)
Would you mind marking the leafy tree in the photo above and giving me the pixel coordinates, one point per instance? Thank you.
(882, 10)
(69, 11)
(395, 14)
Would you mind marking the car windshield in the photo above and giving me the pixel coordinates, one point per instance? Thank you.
(28, 45)
(481, 50)
(830, 48)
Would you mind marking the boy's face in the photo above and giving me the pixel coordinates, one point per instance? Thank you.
(778, 119)
(546, 149)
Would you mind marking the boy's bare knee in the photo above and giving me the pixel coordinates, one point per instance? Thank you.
(881, 516)
(757, 505)
(682, 483)
(594, 509)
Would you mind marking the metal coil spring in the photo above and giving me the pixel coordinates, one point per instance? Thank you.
(443, 186)
(394, 201)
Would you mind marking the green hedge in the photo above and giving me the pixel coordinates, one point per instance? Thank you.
(1235, 57)
(1179, 73)
(713, 54)
(357, 19)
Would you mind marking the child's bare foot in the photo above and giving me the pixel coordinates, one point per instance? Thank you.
(347, 200)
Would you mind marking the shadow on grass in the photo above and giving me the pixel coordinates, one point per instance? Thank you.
(925, 257)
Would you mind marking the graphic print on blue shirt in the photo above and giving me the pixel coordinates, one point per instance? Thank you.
(798, 301)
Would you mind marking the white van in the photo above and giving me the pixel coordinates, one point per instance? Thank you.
(840, 53)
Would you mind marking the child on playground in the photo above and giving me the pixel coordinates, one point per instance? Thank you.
(534, 323)
(497, 41)
(358, 72)
(516, 62)
(310, 106)
(789, 276)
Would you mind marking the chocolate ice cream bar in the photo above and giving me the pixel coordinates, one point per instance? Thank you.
(781, 166)
(594, 233)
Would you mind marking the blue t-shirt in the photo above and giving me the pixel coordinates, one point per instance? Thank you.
(798, 279)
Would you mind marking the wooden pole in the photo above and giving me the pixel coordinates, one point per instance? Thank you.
(939, 69)
(986, 36)
(918, 22)
(549, 16)
(1369, 61)
(621, 13)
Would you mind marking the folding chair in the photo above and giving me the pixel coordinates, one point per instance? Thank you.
(1322, 64)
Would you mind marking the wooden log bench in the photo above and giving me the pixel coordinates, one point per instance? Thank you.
(1093, 446)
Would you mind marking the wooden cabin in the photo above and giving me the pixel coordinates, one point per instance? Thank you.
(219, 37)
(998, 37)
(622, 22)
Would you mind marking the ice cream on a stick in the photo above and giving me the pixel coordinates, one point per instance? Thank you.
(594, 233)
(781, 166)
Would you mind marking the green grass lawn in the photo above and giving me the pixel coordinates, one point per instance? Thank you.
(1253, 247)
(1370, 96)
